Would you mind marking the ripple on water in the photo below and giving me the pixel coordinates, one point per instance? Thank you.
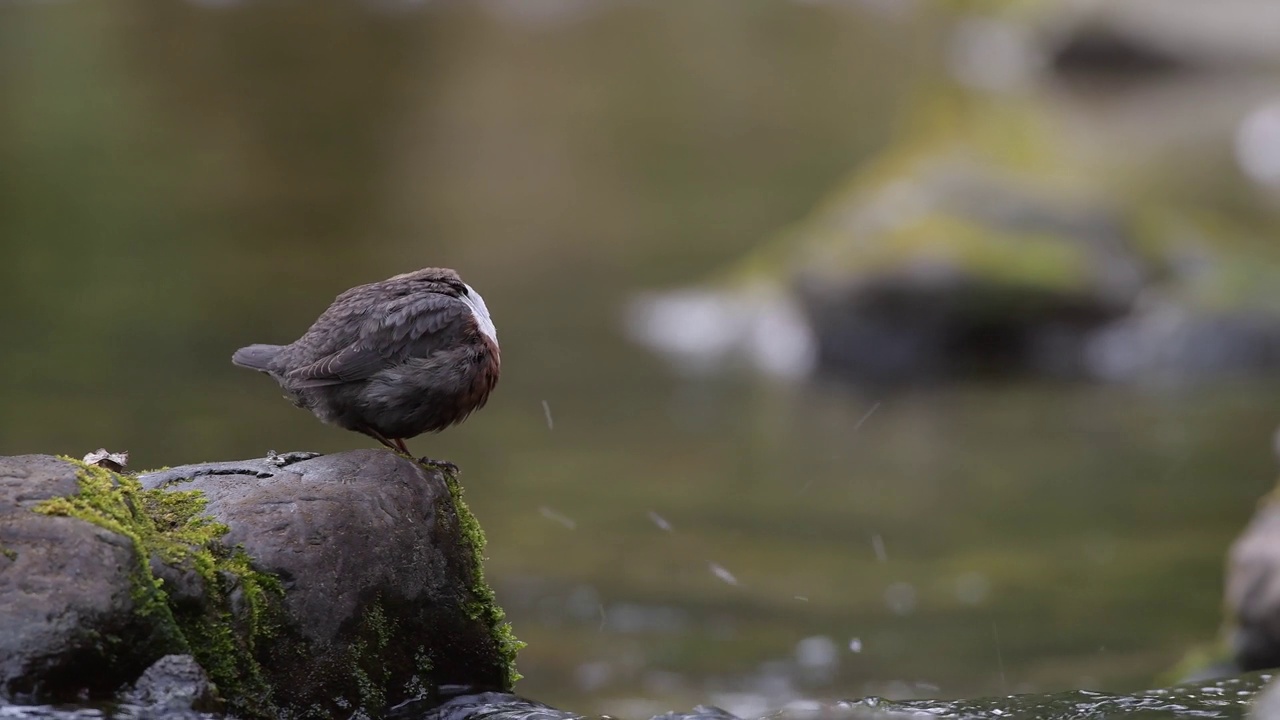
(1227, 699)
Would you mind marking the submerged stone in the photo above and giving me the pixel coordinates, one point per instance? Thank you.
(175, 684)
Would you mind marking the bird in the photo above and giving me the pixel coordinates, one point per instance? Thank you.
(393, 359)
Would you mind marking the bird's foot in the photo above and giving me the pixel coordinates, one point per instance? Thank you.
(441, 464)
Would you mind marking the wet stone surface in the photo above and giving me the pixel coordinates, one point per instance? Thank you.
(377, 574)
(68, 588)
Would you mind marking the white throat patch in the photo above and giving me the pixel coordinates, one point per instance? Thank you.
(480, 313)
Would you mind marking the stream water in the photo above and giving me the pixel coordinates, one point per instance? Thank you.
(180, 180)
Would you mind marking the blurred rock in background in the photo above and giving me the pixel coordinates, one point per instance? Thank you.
(1023, 222)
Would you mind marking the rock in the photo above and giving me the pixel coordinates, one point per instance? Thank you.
(700, 712)
(949, 269)
(506, 706)
(1266, 704)
(72, 593)
(992, 242)
(702, 330)
(959, 271)
(1163, 36)
(474, 706)
(1252, 596)
(173, 685)
(297, 584)
(1253, 591)
(383, 598)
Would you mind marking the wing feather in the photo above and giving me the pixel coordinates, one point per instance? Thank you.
(405, 327)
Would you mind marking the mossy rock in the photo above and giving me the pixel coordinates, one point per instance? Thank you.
(990, 239)
(380, 562)
(1002, 189)
(82, 612)
(304, 589)
(88, 621)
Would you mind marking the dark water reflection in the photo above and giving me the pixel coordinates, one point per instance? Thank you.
(176, 181)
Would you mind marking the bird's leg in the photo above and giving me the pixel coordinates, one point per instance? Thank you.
(382, 439)
(398, 445)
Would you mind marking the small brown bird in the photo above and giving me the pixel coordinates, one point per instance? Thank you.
(393, 359)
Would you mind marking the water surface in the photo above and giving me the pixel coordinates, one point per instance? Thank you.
(180, 180)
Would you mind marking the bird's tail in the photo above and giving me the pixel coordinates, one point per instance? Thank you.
(257, 357)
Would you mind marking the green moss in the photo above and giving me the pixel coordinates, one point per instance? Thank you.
(116, 503)
(223, 632)
(1033, 260)
(8, 552)
(367, 659)
(485, 607)
(422, 662)
(238, 616)
(1237, 264)
(372, 693)
(380, 625)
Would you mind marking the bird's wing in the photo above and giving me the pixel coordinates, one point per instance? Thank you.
(404, 327)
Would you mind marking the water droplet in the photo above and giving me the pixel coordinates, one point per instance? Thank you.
(660, 521)
(900, 598)
(554, 516)
(722, 573)
(818, 651)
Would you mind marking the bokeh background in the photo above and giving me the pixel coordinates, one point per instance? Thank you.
(180, 179)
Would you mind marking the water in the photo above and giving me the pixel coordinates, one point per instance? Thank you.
(1223, 699)
(1230, 699)
(178, 181)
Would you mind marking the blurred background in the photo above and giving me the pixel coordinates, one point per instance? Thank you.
(920, 349)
